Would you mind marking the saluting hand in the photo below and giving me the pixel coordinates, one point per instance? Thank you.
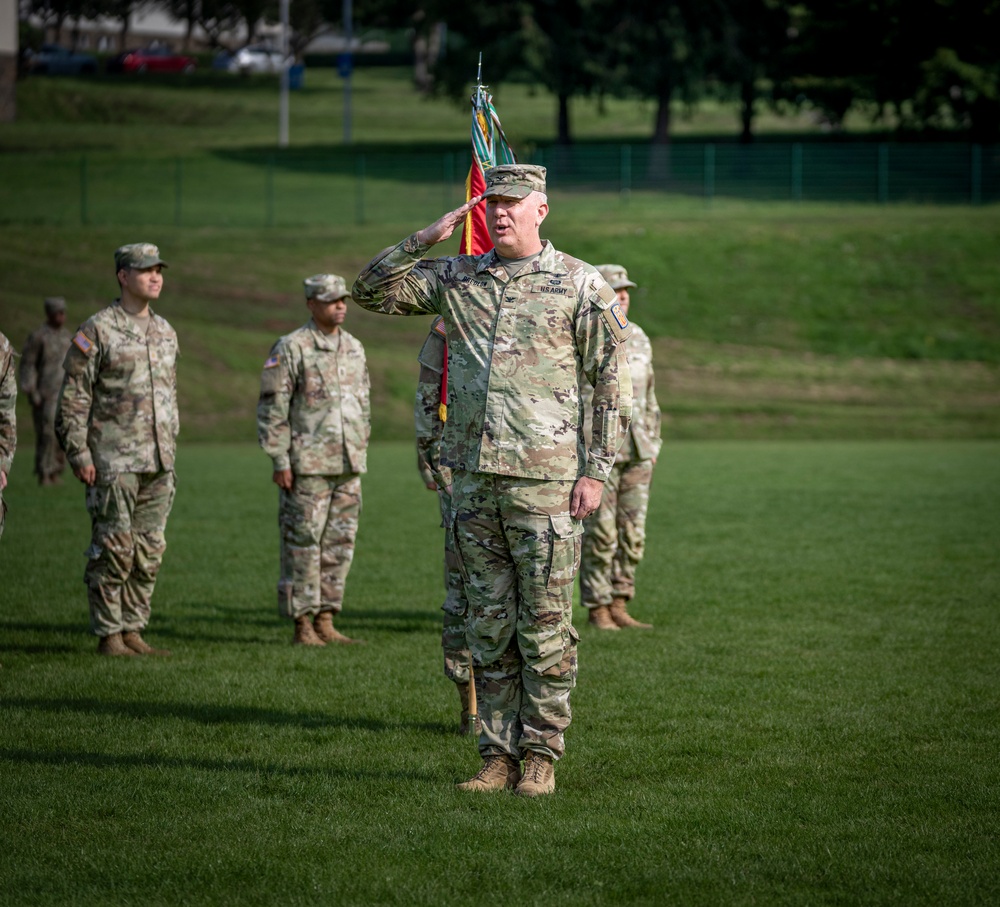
(444, 226)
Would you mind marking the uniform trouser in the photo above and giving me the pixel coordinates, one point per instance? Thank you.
(519, 551)
(614, 536)
(49, 457)
(456, 649)
(318, 519)
(128, 514)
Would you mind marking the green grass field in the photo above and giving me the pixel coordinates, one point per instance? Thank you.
(813, 720)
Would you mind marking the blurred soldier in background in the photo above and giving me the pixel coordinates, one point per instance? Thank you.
(41, 378)
(523, 321)
(117, 421)
(430, 414)
(314, 421)
(8, 418)
(614, 535)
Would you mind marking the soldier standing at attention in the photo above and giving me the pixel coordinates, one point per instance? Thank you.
(430, 415)
(524, 324)
(41, 377)
(614, 536)
(117, 421)
(314, 421)
(8, 418)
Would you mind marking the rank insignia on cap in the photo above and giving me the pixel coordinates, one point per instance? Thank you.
(272, 361)
(82, 343)
(620, 316)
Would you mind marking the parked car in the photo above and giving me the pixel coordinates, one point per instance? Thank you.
(256, 58)
(59, 61)
(151, 59)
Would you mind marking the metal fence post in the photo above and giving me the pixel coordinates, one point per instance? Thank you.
(976, 177)
(797, 171)
(447, 178)
(709, 178)
(626, 174)
(883, 173)
(83, 189)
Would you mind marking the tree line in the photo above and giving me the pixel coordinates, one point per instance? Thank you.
(921, 65)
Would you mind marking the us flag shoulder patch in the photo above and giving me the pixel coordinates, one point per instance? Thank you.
(272, 360)
(83, 343)
(439, 327)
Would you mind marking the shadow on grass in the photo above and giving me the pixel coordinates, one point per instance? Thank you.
(106, 760)
(218, 715)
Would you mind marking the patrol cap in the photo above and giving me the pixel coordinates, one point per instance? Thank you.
(326, 287)
(137, 255)
(54, 304)
(616, 275)
(514, 180)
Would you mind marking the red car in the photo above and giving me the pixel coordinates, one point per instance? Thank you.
(151, 59)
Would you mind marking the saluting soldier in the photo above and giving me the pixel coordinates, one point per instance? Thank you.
(8, 418)
(524, 323)
(314, 421)
(614, 536)
(430, 412)
(117, 421)
(41, 378)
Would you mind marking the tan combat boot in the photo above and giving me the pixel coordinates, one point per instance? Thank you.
(600, 617)
(465, 727)
(305, 635)
(113, 645)
(620, 615)
(137, 644)
(497, 773)
(539, 776)
(325, 630)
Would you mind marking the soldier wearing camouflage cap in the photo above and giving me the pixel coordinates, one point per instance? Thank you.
(524, 324)
(117, 420)
(8, 418)
(314, 421)
(41, 375)
(614, 537)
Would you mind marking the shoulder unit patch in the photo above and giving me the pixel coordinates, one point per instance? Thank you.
(618, 322)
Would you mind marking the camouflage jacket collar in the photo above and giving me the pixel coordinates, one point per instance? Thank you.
(547, 261)
(126, 324)
(328, 342)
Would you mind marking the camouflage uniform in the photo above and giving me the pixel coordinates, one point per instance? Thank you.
(615, 534)
(314, 418)
(117, 411)
(514, 441)
(41, 378)
(429, 427)
(8, 417)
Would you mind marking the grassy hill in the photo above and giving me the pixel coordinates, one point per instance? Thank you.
(768, 319)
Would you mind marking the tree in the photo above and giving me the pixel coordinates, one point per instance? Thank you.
(748, 38)
(661, 52)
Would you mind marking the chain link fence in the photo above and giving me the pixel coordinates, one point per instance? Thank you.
(295, 188)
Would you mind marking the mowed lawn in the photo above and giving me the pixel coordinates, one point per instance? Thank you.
(813, 720)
